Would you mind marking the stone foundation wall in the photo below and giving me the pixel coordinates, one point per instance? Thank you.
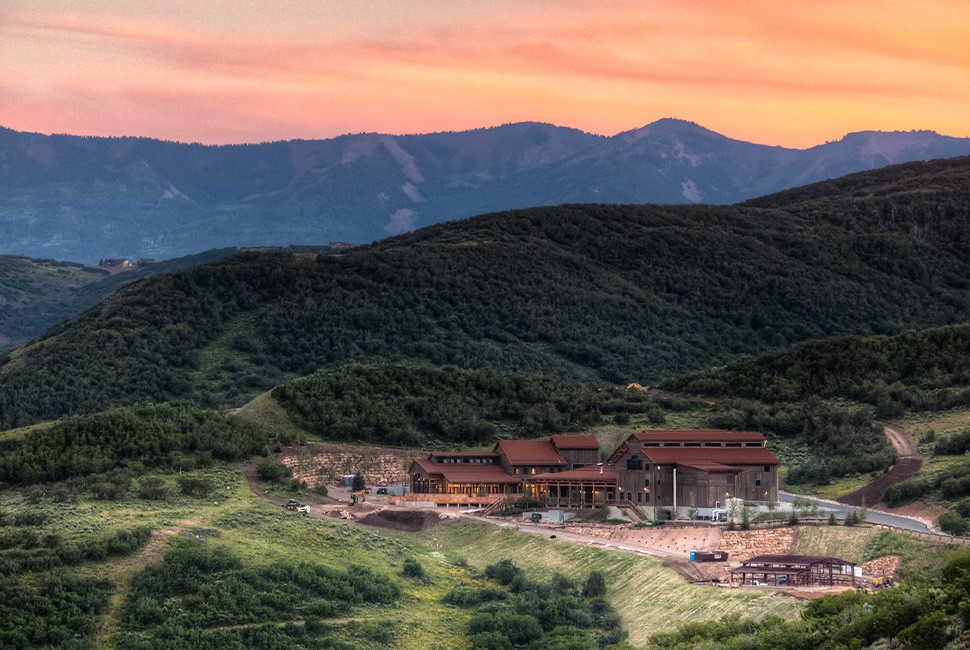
(745, 544)
(882, 566)
(326, 464)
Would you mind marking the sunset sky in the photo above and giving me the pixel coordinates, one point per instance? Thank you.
(218, 71)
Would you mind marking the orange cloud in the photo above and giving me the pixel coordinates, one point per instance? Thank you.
(786, 73)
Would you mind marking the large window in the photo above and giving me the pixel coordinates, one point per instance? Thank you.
(634, 462)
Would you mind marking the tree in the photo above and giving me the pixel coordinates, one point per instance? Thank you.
(595, 585)
(952, 523)
(359, 483)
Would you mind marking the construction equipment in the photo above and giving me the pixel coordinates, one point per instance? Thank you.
(356, 498)
(881, 582)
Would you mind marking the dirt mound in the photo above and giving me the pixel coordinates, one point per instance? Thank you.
(407, 520)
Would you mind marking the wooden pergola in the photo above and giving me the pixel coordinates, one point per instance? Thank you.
(796, 570)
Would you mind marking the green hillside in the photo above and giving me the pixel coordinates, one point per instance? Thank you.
(423, 406)
(921, 370)
(615, 293)
(35, 294)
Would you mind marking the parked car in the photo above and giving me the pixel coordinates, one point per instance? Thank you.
(303, 510)
(382, 490)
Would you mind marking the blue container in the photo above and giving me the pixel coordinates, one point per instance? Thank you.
(693, 555)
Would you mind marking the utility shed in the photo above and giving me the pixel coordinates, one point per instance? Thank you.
(796, 570)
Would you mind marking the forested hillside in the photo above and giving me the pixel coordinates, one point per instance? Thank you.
(35, 295)
(424, 406)
(920, 370)
(614, 293)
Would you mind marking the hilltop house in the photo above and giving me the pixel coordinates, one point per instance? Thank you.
(674, 470)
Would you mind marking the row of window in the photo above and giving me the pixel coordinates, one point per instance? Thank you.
(474, 461)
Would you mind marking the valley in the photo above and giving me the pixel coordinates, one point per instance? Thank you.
(149, 442)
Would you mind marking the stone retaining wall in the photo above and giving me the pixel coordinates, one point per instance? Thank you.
(882, 566)
(745, 544)
(326, 464)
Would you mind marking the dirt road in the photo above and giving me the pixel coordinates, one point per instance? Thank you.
(907, 465)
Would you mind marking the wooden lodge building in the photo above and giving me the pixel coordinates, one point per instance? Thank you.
(702, 469)
(667, 469)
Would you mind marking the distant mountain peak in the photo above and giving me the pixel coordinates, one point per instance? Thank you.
(59, 195)
(670, 128)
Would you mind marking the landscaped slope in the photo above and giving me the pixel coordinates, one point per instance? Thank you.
(616, 293)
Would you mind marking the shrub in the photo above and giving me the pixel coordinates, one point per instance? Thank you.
(906, 491)
(152, 488)
(273, 471)
(952, 523)
(955, 444)
(412, 569)
(199, 487)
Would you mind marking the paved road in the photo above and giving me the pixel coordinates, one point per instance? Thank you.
(875, 516)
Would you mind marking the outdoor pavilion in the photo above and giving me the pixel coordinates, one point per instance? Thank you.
(796, 570)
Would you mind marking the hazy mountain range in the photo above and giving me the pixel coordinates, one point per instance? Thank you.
(84, 198)
(587, 292)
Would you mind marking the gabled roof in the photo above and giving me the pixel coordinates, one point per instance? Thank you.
(717, 455)
(529, 452)
(427, 465)
(590, 473)
(575, 442)
(467, 473)
(699, 435)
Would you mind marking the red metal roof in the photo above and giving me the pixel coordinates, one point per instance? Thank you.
(700, 435)
(463, 454)
(711, 467)
(530, 452)
(467, 472)
(427, 465)
(575, 442)
(718, 455)
(476, 474)
(590, 473)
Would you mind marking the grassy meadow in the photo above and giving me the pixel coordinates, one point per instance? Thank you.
(649, 596)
